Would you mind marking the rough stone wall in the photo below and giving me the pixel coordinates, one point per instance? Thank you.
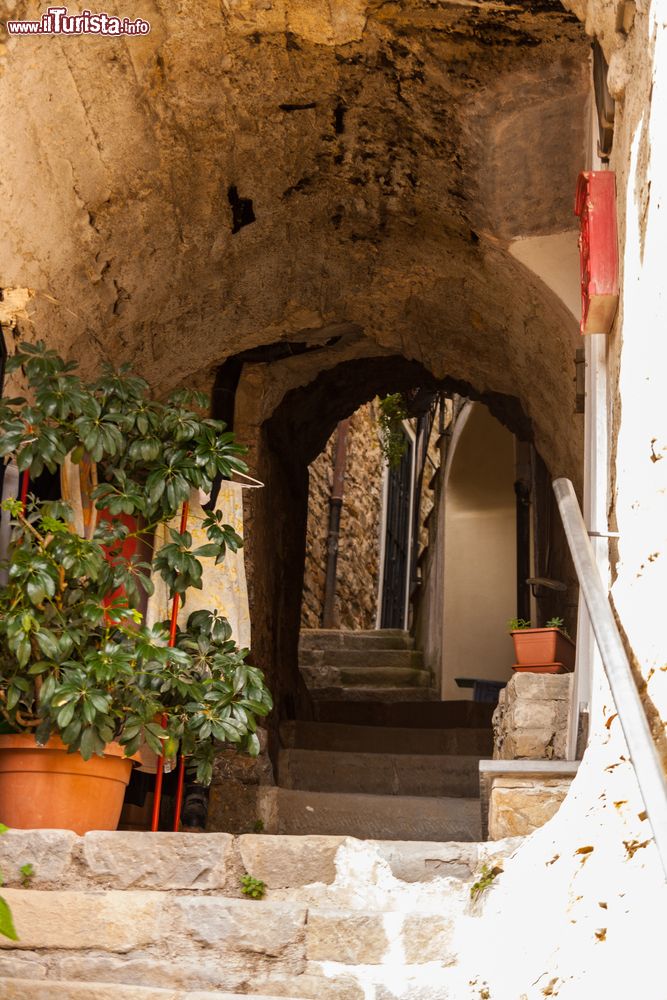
(387, 126)
(427, 495)
(519, 805)
(530, 721)
(359, 547)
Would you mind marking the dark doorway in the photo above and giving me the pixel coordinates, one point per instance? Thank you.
(396, 563)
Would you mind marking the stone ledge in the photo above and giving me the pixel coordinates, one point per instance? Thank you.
(205, 863)
(548, 779)
(169, 862)
(33, 989)
(112, 921)
(283, 862)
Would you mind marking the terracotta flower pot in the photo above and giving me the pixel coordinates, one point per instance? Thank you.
(542, 647)
(45, 788)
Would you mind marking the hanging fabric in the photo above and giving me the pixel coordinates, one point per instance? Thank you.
(224, 587)
(77, 481)
(10, 491)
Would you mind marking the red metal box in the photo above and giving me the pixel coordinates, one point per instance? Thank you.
(598, 249)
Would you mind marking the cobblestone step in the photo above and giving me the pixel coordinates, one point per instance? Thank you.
(214, 862)
(386, 638)
(325, 675)
(384, 695)
(405, 711)
(386, 739)
(34, 989)
(376, 817)
(378, 658)
(379, 774)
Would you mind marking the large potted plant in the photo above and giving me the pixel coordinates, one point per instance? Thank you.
(542, 650)
(84, 684)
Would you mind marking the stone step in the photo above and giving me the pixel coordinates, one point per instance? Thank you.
(380, 677)
(385, 739)
(52, 989)
(214, 862)
(406, 711)
(383, 695)
(145, 916)
(375, 817)
(368, 658)
(386, 638)
(379, 774)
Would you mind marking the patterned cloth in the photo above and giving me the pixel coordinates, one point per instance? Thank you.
(224, 587)
(10, 491)
(77, 481)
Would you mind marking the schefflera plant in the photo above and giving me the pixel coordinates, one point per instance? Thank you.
(75, 658)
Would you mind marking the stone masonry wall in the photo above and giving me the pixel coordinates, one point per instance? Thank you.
(359, 548)
(531, 719)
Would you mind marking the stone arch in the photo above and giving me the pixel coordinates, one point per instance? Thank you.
(285, 412)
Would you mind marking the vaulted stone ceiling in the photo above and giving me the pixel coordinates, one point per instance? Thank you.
(262, 169)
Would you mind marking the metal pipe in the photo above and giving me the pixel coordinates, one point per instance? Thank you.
(522, 493)
(179, 793)
(159, 774)
(335, 507)
(645, 760)
(25, 481)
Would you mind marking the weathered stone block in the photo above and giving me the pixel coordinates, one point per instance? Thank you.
(22, 965)
(519, 808)
(165, 861)
(48, 851)
(25, 989)
(414, 991)
(533, 714)
(416, 861)
(111, 921)
(427, 937)
(539, 687)
(348, 937)
(530, 743)
(250, 927)
(144, 970)
(309, 987)
(282, 862)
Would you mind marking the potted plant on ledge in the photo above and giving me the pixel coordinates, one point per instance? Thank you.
(547, 650)
(84, 685)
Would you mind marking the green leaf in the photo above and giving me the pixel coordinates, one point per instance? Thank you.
(66, 714)
(48, 644)
(7, 928)
(88, 742)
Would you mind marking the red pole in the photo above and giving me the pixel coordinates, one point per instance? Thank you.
(25, 480)
(157, 796)
(179, 793)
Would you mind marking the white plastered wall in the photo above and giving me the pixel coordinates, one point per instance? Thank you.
(480, 553)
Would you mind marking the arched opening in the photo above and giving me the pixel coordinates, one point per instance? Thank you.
(400, 234)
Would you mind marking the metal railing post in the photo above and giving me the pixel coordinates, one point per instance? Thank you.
(644, 756)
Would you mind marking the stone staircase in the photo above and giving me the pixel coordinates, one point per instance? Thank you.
(378, 761)
(371, 849)
(363, 666)
(139, 916)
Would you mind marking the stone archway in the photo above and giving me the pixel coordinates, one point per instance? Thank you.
(285, 412)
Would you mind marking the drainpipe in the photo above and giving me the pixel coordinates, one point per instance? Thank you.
(335, 506)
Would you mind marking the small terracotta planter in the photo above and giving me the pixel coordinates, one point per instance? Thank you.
(543, 647)
(46, 788)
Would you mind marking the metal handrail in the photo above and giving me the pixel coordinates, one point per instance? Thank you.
(645, 760)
